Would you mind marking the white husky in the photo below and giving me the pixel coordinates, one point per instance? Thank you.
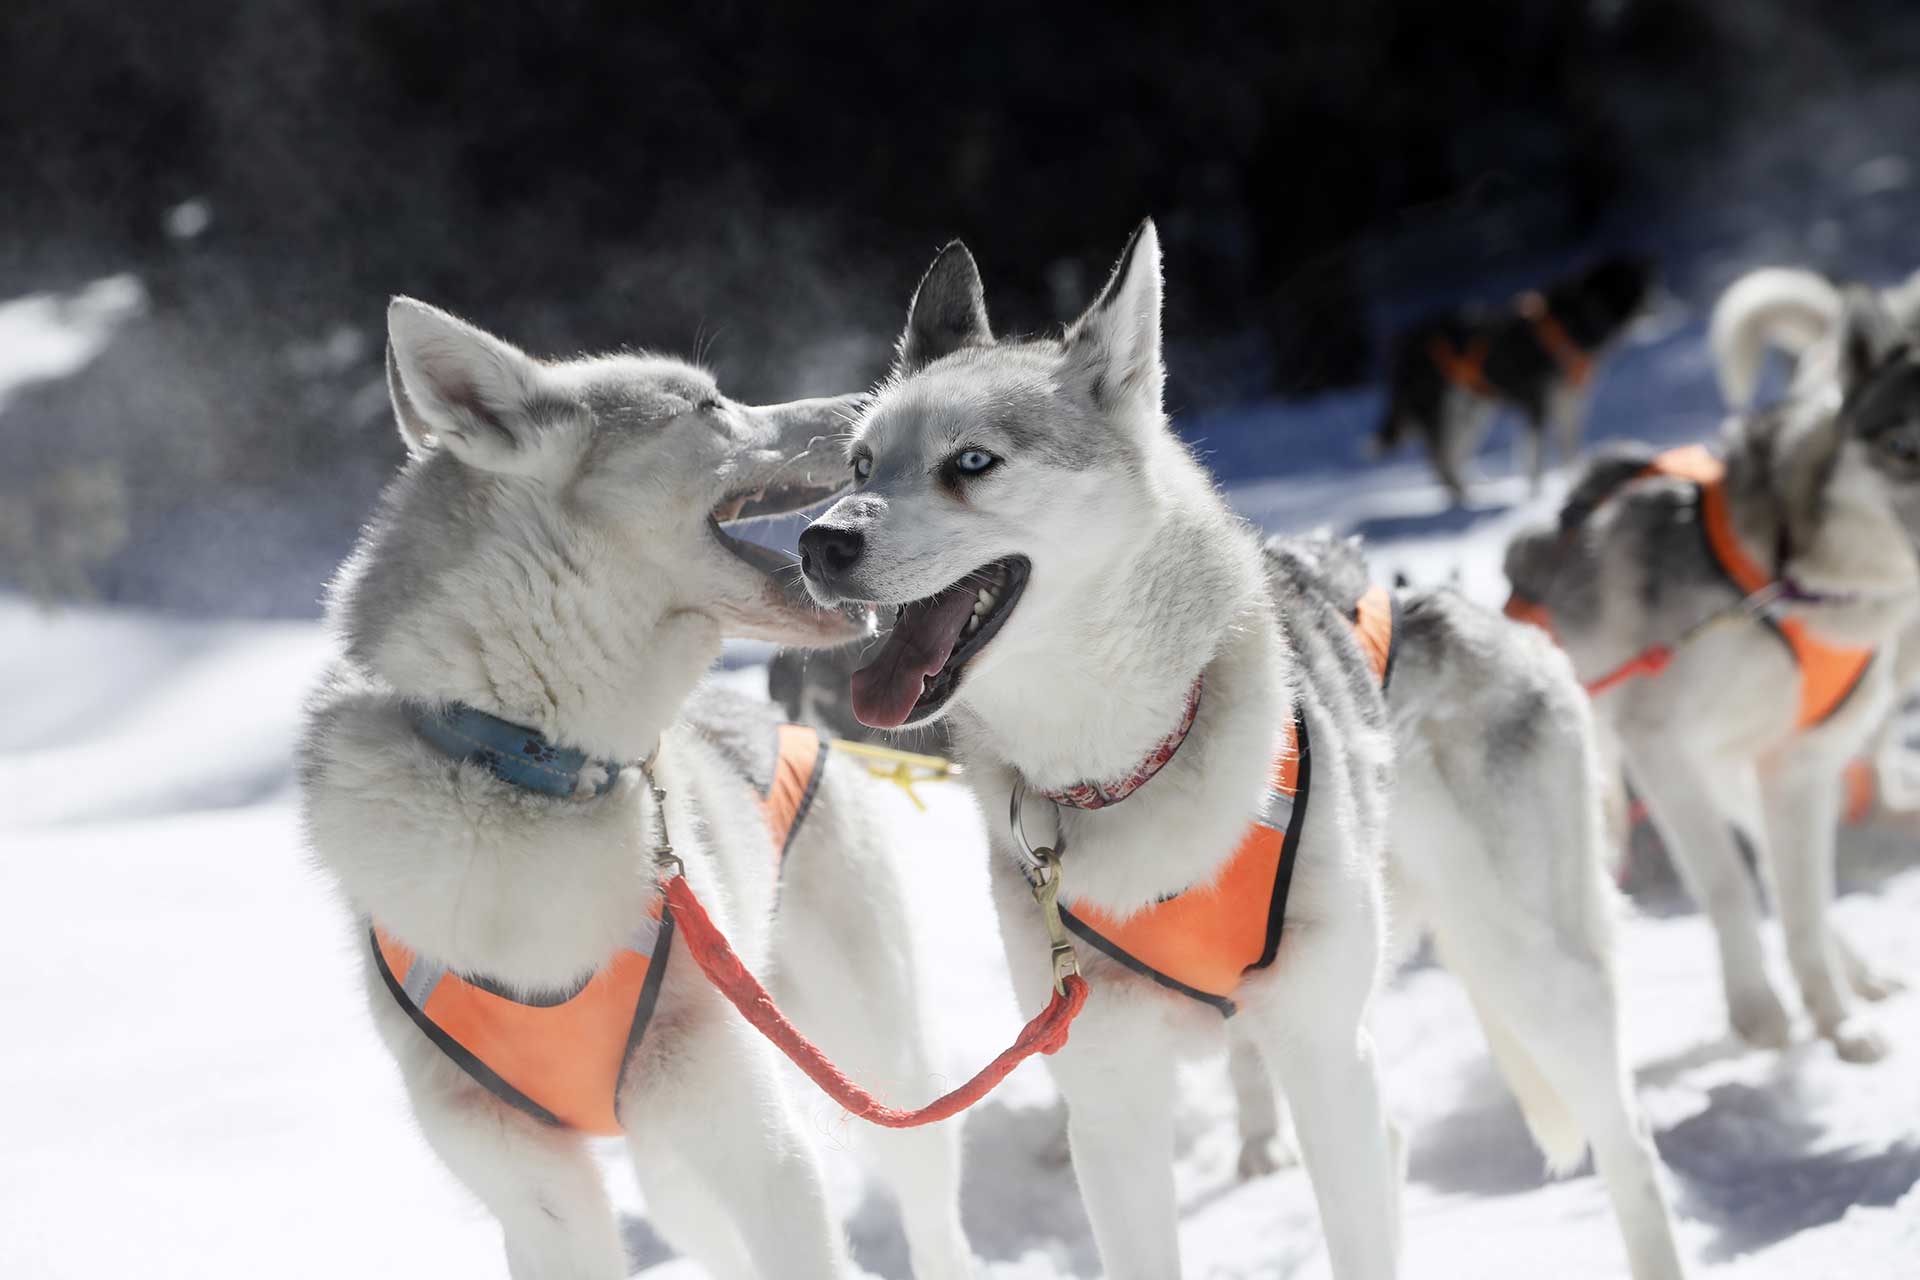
(550, 559)
(1080, 604)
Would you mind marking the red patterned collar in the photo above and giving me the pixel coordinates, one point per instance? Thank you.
(1098, 795)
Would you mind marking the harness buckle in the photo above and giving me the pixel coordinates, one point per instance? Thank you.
(1045, 880)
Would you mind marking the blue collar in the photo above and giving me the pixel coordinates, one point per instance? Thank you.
(512, 752)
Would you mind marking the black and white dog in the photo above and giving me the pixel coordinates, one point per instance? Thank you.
(1452, 372)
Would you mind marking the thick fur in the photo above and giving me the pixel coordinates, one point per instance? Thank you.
(547, 556)
(1796, 312)
(1833, 480)
(1595, 308)
(1141, 579)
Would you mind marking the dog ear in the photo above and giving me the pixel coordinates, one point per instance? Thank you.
(1868, 334)
(948, 312)
(1117, 340)
(488, 402)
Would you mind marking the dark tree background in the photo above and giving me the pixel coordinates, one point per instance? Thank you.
(762, 185)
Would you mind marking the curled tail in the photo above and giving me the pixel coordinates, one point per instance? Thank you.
(1781, 307)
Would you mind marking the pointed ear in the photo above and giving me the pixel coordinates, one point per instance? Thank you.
(1868, 334)
(1117, 340)
(948, 312)
(413, 428)
(488, 402)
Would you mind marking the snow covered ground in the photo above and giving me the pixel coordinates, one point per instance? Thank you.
(194, 1089)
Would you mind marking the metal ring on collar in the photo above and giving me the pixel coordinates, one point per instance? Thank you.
(1016, 823)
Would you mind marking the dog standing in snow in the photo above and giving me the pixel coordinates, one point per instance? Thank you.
(1782, 575)
(1195, 724)
(524, 622)
(1452, 373)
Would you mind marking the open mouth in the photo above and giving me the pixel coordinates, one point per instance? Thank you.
(764, 504)
(783, 613)
(931, 642)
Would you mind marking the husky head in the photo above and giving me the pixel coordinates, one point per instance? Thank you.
(1845, 461)
(1879, 419)
(1015, 499)
(554, 550)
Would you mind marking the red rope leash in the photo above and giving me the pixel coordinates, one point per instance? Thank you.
(1648, 662)
(716, 958)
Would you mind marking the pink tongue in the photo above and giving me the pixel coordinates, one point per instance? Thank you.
(885, 690)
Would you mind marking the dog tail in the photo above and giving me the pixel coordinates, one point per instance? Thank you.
(1781, 307)
(1549, 1119)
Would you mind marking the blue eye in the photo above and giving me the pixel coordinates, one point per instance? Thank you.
(974, 461)
(862, 467)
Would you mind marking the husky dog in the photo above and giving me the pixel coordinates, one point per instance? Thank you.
(1452, 372)
(551, 557)
(1825, 489)
(1071, 587)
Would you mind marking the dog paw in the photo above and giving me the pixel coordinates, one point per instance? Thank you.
(1262, 1157)
(1858, 1040)
(1761, 1021)
(1871, 984)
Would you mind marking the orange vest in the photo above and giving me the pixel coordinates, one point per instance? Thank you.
(1827, 673)
(563, 1059)
(1203, 941)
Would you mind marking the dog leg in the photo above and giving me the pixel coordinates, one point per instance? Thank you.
(1867, 980)
(715, 1109)
(1567, 411)
(863, 1011)
(1690, 806)
(1547, 1002)
(1120, 1132)
(1311, 1032)
(1803, 813)
(1530, 443)
(1506, 867)
(848, 973)
(539, 1182)
(687, 1213)
(1265, 1143)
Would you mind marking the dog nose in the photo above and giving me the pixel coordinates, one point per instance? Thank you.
(827, 551)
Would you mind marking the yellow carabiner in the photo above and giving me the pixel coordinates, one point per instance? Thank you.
(904, 763)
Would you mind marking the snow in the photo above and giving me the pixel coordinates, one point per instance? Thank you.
(200, 1093)
(51, 335)
(196, 1089)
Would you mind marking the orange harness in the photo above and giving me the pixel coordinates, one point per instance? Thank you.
(562, 1060)
(1204, 941)
(1465, 369)
(1828, 674)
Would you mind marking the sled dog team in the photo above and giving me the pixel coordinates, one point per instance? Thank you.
(1248, 781)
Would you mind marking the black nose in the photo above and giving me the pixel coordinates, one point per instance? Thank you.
(826, 551)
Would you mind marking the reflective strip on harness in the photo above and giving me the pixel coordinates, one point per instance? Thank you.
(563, 1060)
(1203, 942)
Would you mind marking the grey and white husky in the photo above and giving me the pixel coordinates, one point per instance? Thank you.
(551, 557)
(1825, 489)
(1067, 577)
